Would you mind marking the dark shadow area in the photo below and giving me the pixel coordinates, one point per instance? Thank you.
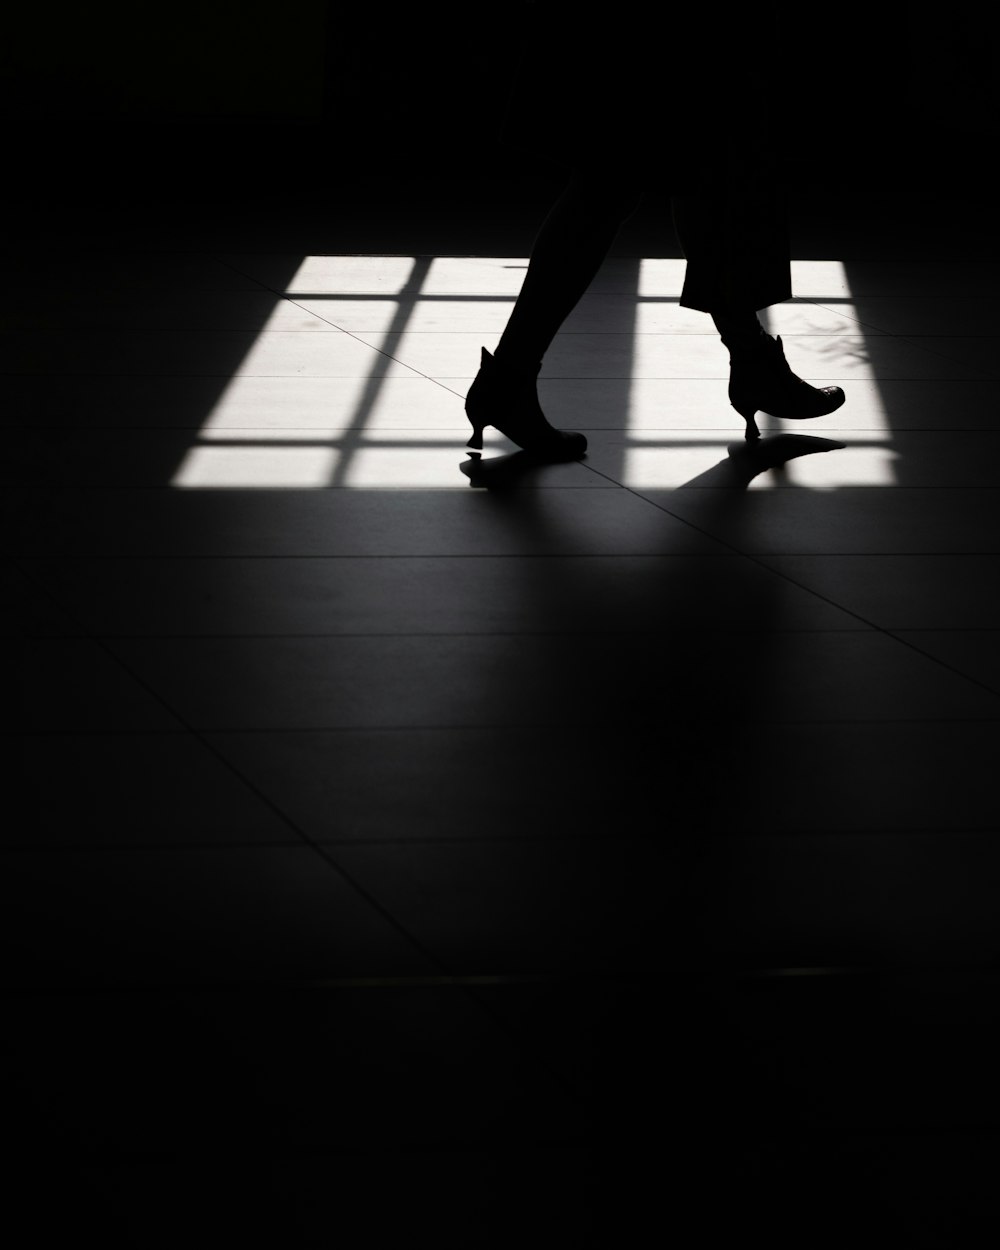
(118, 404)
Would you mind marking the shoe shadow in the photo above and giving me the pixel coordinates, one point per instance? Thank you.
(747, 460)
(744, 462)
(506, 472)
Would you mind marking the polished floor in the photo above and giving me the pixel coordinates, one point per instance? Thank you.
(405, 841)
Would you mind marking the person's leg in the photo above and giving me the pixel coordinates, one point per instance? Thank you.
(736, 247)
(570, 247)
(740, 331)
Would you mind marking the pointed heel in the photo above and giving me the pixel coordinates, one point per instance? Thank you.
(747, 409)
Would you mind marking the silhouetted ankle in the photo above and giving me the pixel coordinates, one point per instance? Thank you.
(741, 333)
(505, 397)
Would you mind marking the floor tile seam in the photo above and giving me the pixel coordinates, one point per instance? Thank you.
(879, 969)
(205, 730)
(905, 637)
(893, 302)
(156, 289)
(96, 331)
(440, 379)
(712, 553)
(166, 489)
(165, 848)
(49, 427)
(119, 329)
(696, 431)
(227, 377)
(756, 559)
(449, 636)
(182, 557)
(886, 491)
(892, 634)
(27, 735)
(244, 494)
(455, 428)
(110, 288)
(903, 336)
(830, 427)
(585, 727)
(386, 356)
(184, 727)
(46, 846)
(761, 561)
(488, 635)
(936, 553)
(294, 558)
(984, 299)
(222, 492)
(920, 342)
(591, 299)
(546, 380)
(412, 373)
(777, 490)
(609, 334)
(632, 378)
(410, 941)
(962, 630)
(789, 335)
(881, 332)
(506, 728)
(484, 726)
(226, 261)
(707, 833)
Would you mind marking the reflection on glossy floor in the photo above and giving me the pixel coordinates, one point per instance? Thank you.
(409, 840)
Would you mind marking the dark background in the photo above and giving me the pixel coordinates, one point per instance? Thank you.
(344, 123)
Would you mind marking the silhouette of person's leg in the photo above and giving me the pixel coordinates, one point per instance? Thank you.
(740, 331)
(734, 237)
(571, 246)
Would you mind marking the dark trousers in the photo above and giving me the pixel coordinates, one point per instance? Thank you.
(735, 242)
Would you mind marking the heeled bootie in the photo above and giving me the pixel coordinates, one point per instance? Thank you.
(760, 380)
(508, 400)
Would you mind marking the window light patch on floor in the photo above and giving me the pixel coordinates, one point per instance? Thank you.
(282, 423)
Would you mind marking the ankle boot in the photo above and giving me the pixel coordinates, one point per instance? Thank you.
(760, 380)
(507, 399)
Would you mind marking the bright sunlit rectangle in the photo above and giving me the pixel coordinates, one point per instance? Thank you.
(233, 467)
(383, 406)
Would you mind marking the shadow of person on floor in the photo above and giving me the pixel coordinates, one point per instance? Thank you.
(508, 471)
(664, 664)
(744, 462)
